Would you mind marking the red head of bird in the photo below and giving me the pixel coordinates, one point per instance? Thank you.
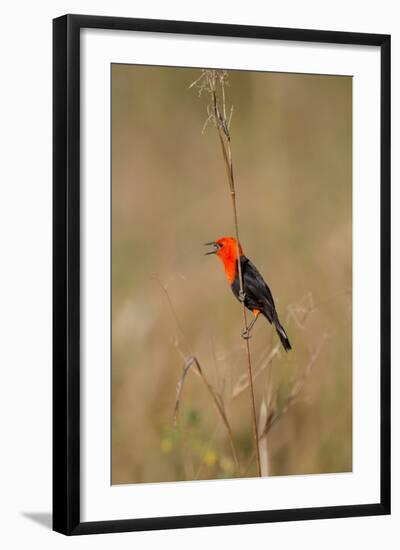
(226, 249)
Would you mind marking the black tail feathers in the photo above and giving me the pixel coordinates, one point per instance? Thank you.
(282, 335)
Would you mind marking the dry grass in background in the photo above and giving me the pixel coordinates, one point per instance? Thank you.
(292, 151)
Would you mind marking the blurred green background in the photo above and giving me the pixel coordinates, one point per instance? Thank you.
(292, 155)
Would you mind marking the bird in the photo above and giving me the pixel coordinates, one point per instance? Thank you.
(256, 295)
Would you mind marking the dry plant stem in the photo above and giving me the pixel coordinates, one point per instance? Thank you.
(292, 398)
(220, 410)
(189, 362)
(222, 125)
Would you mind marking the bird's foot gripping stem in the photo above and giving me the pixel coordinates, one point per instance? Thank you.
(246, 331)
(241, 296)
(246, 334)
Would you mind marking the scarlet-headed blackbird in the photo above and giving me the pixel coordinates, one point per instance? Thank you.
(257, 296)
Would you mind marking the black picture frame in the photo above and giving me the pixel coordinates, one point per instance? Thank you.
(66, 273)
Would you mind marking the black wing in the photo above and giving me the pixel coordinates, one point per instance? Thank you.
(258, 295)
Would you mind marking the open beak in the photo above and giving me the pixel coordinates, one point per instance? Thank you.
(214, 251)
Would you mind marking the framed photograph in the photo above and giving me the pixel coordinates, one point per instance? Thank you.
(221, 274)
